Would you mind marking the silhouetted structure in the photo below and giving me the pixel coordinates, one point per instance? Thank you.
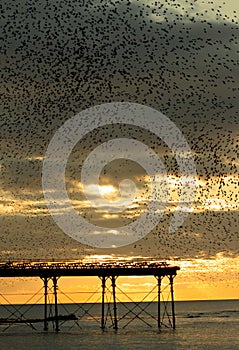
(105, 271)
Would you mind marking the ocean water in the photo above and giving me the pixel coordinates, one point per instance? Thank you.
(201, 325)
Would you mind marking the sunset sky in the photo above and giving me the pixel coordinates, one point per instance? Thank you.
(180, 58)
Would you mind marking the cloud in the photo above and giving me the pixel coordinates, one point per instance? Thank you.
(204, 234)
(60, 58)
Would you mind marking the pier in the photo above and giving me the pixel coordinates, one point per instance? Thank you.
(108, 273)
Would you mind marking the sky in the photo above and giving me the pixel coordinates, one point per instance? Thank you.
(178, 57)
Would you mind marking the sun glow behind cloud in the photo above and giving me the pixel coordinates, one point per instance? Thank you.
(217, 194)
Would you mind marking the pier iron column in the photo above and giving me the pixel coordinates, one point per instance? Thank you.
(159, 278)
(103, 279)
(113, 280)
(54, 279)
(171, 277)
(45, 280)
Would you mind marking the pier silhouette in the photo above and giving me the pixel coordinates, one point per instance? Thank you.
(108, 272)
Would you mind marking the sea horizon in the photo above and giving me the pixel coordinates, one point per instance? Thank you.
(201, 325)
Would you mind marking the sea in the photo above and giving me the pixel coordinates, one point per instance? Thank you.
(200, 325)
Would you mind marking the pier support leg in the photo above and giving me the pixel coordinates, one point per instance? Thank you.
(159, 297)
(103, 303)
(172, 301)
(54, 279)
(113, 279)
(45, 303)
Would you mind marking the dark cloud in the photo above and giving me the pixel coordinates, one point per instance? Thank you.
(203, 234)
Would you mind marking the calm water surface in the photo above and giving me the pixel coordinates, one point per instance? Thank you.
(201, 325)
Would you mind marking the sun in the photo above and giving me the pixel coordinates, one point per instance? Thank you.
(107, 190)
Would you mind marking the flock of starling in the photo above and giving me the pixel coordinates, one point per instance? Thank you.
(61, 57)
